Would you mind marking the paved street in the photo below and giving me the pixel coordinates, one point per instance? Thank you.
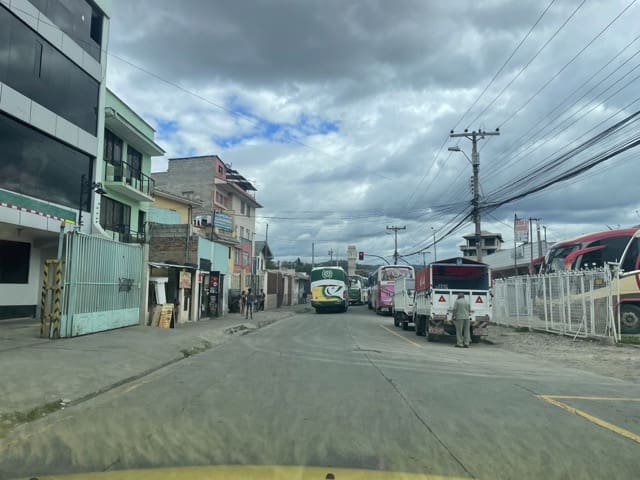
(347, 390)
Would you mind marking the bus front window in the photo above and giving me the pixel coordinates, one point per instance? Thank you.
(555, 262)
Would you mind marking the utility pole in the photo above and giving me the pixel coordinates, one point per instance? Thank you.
(540, 252)
(330, 253)
(424, 258)
(475, 163)
(313, 255)
(395, 248)
(435, 252)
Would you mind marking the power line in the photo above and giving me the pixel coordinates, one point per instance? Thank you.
(549, 40)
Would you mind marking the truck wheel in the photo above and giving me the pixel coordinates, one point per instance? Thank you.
(395, 321)
(405, 325)
(475, 339)
(432, 337)
(629, 318)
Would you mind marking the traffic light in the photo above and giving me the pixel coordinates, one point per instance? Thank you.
(360, 255)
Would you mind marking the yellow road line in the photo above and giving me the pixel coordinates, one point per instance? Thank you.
(606, 399)
(402, 337)
(598, 421)
(133, 387)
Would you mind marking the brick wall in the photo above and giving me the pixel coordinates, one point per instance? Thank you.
(172, 250)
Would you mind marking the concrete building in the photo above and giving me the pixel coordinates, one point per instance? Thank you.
(129, 144)
(52, 95)
(490, 243)
(177, 248)
(220, 189)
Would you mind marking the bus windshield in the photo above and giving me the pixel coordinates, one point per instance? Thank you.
(555, 260)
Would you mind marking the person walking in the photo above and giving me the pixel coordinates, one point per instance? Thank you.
(461, 319)
(251, 298)
(243, 302)
(262, 297)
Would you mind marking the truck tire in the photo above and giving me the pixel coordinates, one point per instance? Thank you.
(431, 337)
(629, 318)
(405, 325)
(395, 321)
(475, 338)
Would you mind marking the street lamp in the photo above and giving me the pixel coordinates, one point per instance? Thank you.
(456, 148)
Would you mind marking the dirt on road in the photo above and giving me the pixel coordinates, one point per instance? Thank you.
(617, 361)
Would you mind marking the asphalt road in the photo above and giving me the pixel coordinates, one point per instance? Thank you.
(348, 390)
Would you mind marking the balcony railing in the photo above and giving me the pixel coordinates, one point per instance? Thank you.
(124, 234)
(126, 173)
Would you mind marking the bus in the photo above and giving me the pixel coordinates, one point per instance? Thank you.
(329, 289)
(383, 285)
(357, 290)
(598, 250)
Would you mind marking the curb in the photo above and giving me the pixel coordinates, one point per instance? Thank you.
(490, 342)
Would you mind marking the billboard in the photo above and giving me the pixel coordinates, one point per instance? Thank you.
(223, 221)
(521, 230)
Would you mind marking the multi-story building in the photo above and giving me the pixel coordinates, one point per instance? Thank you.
(490, 243)
(52, 94)
(220, 189)
(126, 161)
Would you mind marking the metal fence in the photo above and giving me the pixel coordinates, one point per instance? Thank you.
(102, 284)
(579, 304)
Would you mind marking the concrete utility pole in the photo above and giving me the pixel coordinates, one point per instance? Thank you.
(330, 253)
(475, 163)
(395, 248)
(540, 252)
(435, 251)
(313, 254)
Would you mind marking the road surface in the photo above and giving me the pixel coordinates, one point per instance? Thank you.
(347, 390)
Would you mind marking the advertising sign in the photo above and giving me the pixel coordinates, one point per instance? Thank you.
(521, 230)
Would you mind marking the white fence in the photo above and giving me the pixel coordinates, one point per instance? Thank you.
(579, 304)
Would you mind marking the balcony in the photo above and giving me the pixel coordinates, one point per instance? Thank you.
(129, 182)
(124, 234)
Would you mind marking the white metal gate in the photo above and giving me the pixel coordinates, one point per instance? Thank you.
(102, 284)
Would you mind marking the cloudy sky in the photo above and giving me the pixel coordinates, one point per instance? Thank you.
(339, 111)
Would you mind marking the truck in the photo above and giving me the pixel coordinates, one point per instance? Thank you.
(403, 301)
(357, 290)
(436, 288)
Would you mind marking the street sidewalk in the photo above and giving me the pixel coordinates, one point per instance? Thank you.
(37, 372)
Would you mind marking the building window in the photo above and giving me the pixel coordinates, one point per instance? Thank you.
(79, 19)
(39, 71)
(115, 216)
(248, 211)
(245, 258)
(241, 232)
(220, 169)
(14, 261)
(242, 208)
(112, 148)
(35, 164)
(236, 259)
(490, 242)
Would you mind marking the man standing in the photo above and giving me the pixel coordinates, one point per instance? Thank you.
(262, 298)
(251, 298)
(461, 314)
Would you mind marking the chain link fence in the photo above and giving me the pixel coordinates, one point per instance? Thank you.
(578, 304)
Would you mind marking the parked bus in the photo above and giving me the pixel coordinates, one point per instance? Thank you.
(329, 289)
(384, 284)
(597, 250)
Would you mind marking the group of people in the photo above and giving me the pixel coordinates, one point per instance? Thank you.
(247, 301)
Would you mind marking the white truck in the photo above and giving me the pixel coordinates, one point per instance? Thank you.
(403, 302)
(437, 287)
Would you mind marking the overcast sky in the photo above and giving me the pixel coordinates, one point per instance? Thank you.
(337, 110)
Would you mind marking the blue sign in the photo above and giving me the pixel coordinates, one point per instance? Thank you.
(223, 221)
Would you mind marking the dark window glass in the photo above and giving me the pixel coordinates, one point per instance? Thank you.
(112, 148)
(35, 164)
(14, 262)
(630, 260)
(614, 247)
(78, 19)
(134, 159)
(39, 71)
(115, 216)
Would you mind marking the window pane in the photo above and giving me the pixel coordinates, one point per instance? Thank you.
(38, 165)
(14, 262)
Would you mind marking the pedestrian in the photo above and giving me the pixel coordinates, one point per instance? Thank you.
(262, 298)
(251, 298)
(304, 296)
(243, 302)
(461, 319)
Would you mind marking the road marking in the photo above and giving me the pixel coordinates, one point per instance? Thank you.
(133, 387)
(402, 337)
(607, 399)
(598, 421)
